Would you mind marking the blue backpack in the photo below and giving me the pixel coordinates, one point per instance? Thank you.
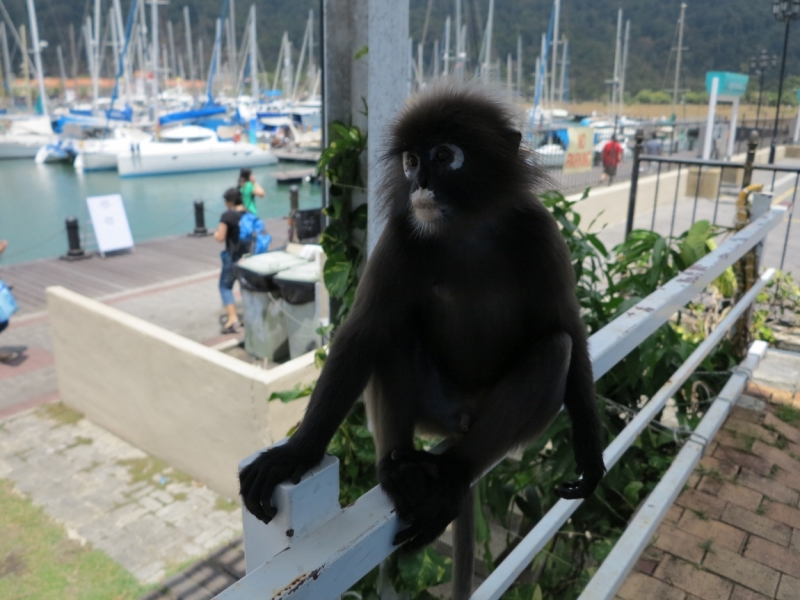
(252, 238)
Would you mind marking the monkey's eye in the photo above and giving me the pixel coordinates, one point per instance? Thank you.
(442, 155)
(411, 160)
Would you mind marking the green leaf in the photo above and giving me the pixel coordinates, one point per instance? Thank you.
(361, 52)
(423, 569)
(336, 274)
(296, 392)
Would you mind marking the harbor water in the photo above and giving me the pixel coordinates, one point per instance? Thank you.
(36, 199)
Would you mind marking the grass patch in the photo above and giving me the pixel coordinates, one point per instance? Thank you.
(706, 546)
(60, 413)
(788, 414)
(700, 514)
(225, 504)
(180, 496)
(80, 441)
(38, 560)
(145, 469)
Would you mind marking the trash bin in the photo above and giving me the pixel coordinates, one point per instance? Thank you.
(265, 334)
(297, 288)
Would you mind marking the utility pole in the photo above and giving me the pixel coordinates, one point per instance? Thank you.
(232, 39)
(62, 72)
(446, 69)
(617, 65)
(678, 58)
(201, 59)
(487, 59)
(554, 68)
(173, 66)
(459, 42)
(26, 75)
(624, 66)
(563, 85)
(7, 60)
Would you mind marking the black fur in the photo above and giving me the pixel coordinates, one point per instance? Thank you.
(470, 330)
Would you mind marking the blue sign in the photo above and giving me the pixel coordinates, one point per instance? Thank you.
(730, 84)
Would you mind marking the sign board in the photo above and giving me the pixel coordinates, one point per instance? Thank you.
(731, 85)
(110, 223)
(580, 149)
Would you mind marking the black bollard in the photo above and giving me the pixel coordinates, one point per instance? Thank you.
(199, 219)
(75, 252)
(294, 205)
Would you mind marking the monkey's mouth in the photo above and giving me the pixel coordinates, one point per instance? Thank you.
(425, 206)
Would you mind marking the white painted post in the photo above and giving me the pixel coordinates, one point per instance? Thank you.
(302, 509)
(732, 133)
(796, 136)
(712, 109)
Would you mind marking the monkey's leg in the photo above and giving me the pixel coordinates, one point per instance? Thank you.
(515, 410)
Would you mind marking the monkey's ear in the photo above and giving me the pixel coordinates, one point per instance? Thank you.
(514, 137)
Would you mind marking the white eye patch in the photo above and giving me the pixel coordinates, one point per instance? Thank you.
(410, 163)
(458, 156)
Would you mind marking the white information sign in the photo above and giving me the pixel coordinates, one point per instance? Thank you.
(110, 223)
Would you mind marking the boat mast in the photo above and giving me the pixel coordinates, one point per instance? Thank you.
(253, 55)
(563, 85)
(232, 40)
(446, 69)
(311, 66)
(62, 71)
(187, 29)
(37, 55)
(26, 76)
(155, 54)
(459, 66)
(487, 59)
(6, 62)
(287, 66)
(678, 58)
(300, 62)
(95, 37)
(173, 63)
(519, 66)
(278, 67)
(436, 59)
(554, 68)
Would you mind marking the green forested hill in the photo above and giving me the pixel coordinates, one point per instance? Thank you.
(719, 34)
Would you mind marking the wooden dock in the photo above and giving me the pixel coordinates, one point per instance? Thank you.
(151, 262)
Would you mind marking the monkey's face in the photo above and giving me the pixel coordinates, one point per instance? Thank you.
(431, 171)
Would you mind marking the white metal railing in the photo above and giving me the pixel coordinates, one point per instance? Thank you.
(315, 550)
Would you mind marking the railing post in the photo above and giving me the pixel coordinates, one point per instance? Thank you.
(294, 206)
(637, 152)
(746, 268)
(302, 508)
(750, 161)
(75, 252)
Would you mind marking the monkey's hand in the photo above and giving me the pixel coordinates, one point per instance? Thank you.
(259, 479)
(583, 487)
(426, 489)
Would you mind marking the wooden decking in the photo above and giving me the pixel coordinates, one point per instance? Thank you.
(152, 262)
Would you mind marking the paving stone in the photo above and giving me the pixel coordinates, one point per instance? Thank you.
(795, 543)
(791, 480)
(790, 433)
(773, 555)
(789, 588)
(742, 593)
(769, 487)
(679, 543)
(729, 492)
(213, 579)
(757, 524)
(777, 457)
(639, 586)
(745, 414)
(162, 497)
(782, 513)
(673, 514)
(720, 534)
(733, 439)
(744, 571)
(693, 580)
(703, 503)
(743, 459)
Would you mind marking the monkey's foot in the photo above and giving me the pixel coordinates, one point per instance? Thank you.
(259, 479)
(427, 490)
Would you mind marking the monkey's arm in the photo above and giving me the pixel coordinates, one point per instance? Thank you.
(347, 370)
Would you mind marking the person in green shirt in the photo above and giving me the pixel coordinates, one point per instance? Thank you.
(249, 188)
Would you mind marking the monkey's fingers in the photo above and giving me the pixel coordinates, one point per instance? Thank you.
(402, 536)
(573, 490)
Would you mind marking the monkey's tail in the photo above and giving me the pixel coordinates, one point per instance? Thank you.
(464, 547)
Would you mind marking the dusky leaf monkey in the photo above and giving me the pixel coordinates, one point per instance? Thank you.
(465, 325)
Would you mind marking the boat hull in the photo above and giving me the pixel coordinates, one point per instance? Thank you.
(13, 149)
(96, 161)
(158, 159)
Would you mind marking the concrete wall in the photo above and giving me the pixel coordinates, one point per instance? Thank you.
(198, 409)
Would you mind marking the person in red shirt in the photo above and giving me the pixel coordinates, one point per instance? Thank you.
(612, 156)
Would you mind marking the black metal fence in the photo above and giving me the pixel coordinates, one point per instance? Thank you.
(723, 182)
(682, 140)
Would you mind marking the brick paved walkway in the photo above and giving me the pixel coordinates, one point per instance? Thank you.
(734, 532)
(148, 517)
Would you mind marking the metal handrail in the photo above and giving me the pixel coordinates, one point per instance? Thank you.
(347, 544)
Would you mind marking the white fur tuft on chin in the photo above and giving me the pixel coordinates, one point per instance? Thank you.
(425, 211)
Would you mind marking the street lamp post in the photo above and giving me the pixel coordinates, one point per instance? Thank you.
(759, 65)
(786, 11)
